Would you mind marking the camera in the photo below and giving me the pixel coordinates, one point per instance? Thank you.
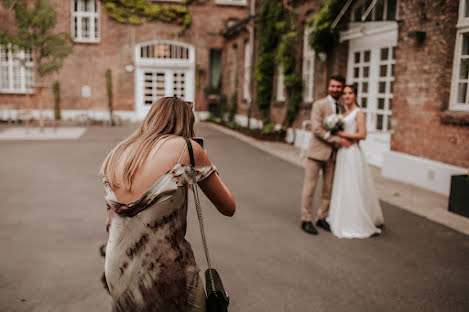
(199, 140)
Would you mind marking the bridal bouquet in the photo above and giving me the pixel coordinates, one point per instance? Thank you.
(334, 123)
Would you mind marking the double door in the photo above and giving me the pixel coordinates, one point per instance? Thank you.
(155, 83)
(371, 65)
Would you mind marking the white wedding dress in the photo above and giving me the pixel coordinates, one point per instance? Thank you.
(354, 209)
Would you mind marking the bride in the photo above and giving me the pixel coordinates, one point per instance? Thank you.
(355, 211)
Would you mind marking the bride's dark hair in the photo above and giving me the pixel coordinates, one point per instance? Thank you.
(354, 90)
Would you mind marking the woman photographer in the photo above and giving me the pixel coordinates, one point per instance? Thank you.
(149, 264)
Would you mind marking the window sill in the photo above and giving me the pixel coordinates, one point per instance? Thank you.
(455, 118)
(86, 41)
(225, 3)
(17, 92)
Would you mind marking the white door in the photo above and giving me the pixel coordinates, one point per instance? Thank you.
(157, 83)
(164, 68)
(371, 69)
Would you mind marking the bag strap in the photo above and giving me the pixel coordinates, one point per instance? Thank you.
(199, 213)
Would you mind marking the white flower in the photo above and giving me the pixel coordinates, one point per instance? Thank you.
(334, 122)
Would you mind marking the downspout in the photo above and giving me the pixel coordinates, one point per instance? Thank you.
(251, 40)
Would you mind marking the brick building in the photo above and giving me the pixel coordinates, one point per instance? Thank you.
(409, 62)
(147, 61)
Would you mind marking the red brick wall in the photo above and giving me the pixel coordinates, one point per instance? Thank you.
(89, 61)
(422, 84)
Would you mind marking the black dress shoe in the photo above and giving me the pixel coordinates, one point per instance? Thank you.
(309, 228)
(322, 223)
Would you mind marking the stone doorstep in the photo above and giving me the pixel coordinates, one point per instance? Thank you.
(430, 205)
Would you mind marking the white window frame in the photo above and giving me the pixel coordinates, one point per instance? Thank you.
(372, 15)
(16, 66)
(462, 29)
(308, 71)
(247, 71)
(280, 96)
(80, 15)
(231, 2)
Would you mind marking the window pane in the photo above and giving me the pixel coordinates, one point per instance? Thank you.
(392, 70)
(367, 56)
(85, 26)
(379, 122)
(365, 87)
(355, 84)
(466, 8)
(383, 70)
(96, 28)
(364, 102)
(382, 87)
(393, 53)
(465, 44)
(390, 104)
(366, 72)
(4, 81)
(384, 54)
(357, 57)
(379, 10)
(380, 103)
(391, 12)
(356, 72)
(16, 77)
(389, 123)
(215, 69)
(391, 89)
(463, 69)
(462, 90)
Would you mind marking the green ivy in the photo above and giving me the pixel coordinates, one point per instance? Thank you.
(269, 35)
(34, 30)
(138, 11)
(56, 88)
(234, 99)
(321, 38)
(287, 54)
(109, 95)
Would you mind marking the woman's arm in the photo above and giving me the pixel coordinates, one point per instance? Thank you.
(361, 129)
(213, 186)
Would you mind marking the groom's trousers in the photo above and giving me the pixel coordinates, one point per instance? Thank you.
(312, 169)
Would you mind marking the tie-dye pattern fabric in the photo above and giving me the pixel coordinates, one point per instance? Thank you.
(149, 265)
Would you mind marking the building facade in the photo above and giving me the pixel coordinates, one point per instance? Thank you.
(409, 61)
(146, 61)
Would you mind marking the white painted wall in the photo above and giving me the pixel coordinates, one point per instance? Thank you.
(432, 175)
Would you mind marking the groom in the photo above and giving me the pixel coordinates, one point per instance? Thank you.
(321, 157)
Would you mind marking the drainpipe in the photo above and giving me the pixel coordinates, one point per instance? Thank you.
(251, 40)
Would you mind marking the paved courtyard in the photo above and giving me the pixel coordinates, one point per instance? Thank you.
(53, 224)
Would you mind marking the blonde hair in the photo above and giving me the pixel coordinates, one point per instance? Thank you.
(167, 116)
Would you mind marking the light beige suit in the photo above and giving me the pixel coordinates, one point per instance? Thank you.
(320, 156)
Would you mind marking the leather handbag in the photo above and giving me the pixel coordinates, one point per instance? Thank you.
(217, 298)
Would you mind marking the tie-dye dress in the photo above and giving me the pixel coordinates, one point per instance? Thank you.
(149, 265)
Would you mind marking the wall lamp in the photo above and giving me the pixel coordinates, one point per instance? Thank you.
(419, 36)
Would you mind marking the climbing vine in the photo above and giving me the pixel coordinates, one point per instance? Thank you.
(322, 38)
(139, 11)
(279, 43)
(270, 13)
(287, 54)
